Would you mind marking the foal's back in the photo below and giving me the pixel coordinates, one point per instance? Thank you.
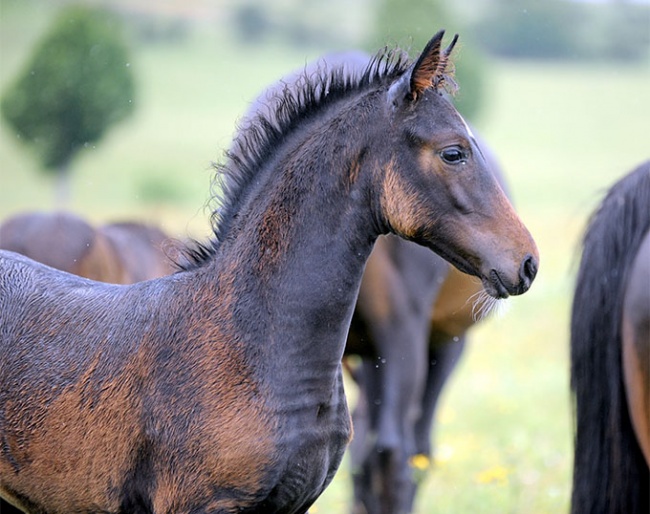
(74, 315)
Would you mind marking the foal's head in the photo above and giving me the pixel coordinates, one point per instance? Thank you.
(437, 187)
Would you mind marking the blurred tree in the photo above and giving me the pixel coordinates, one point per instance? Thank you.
(532, 29)
(413, 23)
(626, 33)
(252, 22)
(298, 23)
(75, 86)
(566, 30)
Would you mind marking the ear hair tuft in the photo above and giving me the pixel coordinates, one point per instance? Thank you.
(430, 70)
(426, 66)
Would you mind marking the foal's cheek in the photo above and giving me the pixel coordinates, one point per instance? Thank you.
(399, 204)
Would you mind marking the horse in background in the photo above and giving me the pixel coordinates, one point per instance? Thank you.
(118, 253)
(144, 251)
(610, 354)
(219, 388)
(409, 328)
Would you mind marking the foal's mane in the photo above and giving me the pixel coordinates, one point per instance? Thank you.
(257, 141)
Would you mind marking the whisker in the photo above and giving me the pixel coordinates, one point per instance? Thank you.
(484, 305)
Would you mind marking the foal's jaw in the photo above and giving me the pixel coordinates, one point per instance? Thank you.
(498, 282)
(503, 272)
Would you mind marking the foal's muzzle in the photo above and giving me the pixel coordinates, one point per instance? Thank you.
(501, 287)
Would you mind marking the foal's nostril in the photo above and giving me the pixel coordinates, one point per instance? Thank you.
(528, 270)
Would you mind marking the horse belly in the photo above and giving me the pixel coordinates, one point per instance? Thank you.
(452, 312)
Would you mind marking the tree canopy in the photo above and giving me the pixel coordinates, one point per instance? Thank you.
(76, 84)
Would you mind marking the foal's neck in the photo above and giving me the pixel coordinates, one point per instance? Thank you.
(303, 236)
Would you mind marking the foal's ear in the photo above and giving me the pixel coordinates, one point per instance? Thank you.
(427, 72)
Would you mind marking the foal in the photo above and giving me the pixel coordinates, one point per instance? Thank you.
(409, 330)
(219, 388)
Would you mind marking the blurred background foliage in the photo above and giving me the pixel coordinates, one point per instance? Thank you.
(76, 84)
(39, 98)
(560, 89)
(570, 31)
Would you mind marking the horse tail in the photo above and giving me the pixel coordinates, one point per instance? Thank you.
(610, 474)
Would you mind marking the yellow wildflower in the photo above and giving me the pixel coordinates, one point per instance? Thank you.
(420, 462)
(494, 475)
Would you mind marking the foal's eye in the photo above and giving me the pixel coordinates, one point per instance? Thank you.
(453, 155)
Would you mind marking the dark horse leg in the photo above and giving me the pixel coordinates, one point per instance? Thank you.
(391, 380)
(383, 419)
(392, 317)
(364, 420)
(444, 354)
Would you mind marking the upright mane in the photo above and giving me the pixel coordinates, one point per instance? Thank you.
(259, 139)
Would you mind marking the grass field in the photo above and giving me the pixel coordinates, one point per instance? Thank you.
(564, 132)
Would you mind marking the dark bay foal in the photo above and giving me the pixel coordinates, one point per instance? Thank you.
(408, 332)
(219, 388)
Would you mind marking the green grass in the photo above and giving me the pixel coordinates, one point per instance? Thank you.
(564, 133)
